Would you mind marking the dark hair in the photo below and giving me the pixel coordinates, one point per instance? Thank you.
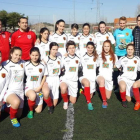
(53, 44)
(138, 16)
(70, 43)
(86, 24)
(101, 22)
(130, 45)
(111, 53)
(42, 31)
(74, 25)
(12, 51)
(57, 22)
(22, 18)
(94, 52)
(35, 49)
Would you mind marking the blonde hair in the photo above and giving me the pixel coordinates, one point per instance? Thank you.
(123, 18)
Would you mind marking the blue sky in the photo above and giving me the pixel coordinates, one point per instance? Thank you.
(52, 10)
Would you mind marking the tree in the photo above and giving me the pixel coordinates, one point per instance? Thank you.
(138, 10)
(4, 18)
(13, 18)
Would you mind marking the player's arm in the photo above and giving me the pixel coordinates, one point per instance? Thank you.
(12, 40)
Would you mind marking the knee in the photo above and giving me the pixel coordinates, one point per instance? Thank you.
(32, 97)
(16, 103)
(122, 87)
(63, 89)
(86, 83)
(135, 85)
(101, 82)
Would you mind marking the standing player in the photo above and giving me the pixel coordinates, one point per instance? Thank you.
(4, 43)
(128, 65)
(15, 95)
(75, 36)
(85, 38)
(53, 64)
(71, 68)
(23, 38)
(89, 64)
(60, 37)
(34, 71)
(44, 43)
(136, 34)
(107, 61)
(102, 35)
(123, 37)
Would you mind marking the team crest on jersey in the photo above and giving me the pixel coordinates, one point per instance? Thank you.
(18, 78)
(90, 39)
(107, 38)
(90, 66)
(3, 35)
(110, 59)
(47, 53)
(76, 61)
(72, 69)
(56, 71)
(40, 70)
(3, 75)
(21, 65)
(130, 68)
(29, 36)
(135, 61)
(61, 45)
(34, 78)
(105, 65)
(127, 34)
(58, 62)
(64, 38)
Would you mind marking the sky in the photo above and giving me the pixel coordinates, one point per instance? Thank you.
(85, 10)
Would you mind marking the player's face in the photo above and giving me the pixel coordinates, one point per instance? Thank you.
(45, 35)
(16, 56)
(0, 58)
(138, 22)
(34, 56)
(90, 49)
(122, 24)
(102, 28)
(130, 51)
(0, 25)
(61, 27)
(23, 24)
(74, 31)
(71, 49)
(86, 30)
(54, 51)
(106, 47)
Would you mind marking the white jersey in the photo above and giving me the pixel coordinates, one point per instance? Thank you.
(83, 42)
(44, 49)
(16, 74)
(76, 39)
(89, 67)
(106, 68)
(34, 74)
(72, 67)
(100, 38)
(53, 67)
(129, 67)
(61, 40)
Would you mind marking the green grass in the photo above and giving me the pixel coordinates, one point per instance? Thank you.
(113, 123)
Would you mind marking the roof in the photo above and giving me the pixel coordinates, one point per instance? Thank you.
(116, 20)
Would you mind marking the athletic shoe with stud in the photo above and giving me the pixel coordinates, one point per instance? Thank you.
(15, 122)
(104, 105)
(50, 110)
(30, 115)
(90, 107)
(65, 105)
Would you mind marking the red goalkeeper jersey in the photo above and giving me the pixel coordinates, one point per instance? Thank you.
(4, 45)
(24, 40)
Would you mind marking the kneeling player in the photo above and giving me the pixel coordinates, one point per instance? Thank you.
(34, 71)
(107, 61)
(51, 87)
(15, 95)
(128, 65)
(89, 64)
(71, 67)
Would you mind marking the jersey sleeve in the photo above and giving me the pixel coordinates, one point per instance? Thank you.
(118, 63)
(12, 40)
(112, 39)
(132, 38)
(45, 70)
(139, 65)
(114, 34)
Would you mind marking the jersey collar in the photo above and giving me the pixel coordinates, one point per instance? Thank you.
(58, 34)
(89, 55)
(72, 57)
(86, 36)
(52, 59)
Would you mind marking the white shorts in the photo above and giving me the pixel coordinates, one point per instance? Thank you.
(53, 83)
(129, 85)
(108, 83)
(20, 94)
(39, 100)
(92, 84)
(72, 86)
